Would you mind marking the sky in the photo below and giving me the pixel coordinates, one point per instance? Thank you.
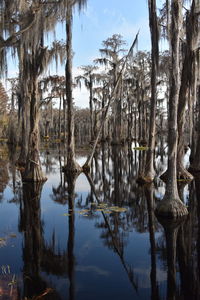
(98, 21)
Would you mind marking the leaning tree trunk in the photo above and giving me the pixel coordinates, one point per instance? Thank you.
(171, 205)
(87, 164)
(72, 165)
(33, 169)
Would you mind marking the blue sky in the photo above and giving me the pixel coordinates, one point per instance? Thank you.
(103, 18)
(100, 20)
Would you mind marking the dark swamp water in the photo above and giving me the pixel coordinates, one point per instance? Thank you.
(97, 238)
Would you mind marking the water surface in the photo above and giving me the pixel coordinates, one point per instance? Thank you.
(95, 238)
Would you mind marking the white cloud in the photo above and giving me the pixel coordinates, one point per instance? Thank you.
(81, 97)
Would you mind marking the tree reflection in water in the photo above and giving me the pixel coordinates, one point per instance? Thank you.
(37, 255)
(174, 247)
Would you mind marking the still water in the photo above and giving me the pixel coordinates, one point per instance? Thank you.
(97, 237)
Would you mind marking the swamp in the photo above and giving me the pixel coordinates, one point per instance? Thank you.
(97, 237)
(100, 199)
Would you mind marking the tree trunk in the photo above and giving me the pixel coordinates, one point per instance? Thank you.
(33, 169)
(91, 109)
(72, 165)
(23, 106)
(59, 119)
(149, 174)
(171, 205)
(64, 120)
(195, 166)
(102, 115)
(24, 134)
(189, 75)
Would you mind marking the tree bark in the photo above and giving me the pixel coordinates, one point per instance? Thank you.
(72, 165)
(195, 166)
(171, 205)
(187, 78)
(149, 173)
(33, 169)
(91, 109)
(24, 134)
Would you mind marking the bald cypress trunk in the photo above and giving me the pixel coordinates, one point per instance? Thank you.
(195, 166)
(171, 205)
(23, 110)
(33, 169)
(91, 109)
(24, 134)
(187, 77)
(72, 165)
(149, 173)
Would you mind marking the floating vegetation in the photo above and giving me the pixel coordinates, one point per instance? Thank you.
(103, 207)
(142, 148)
(46, 137)
(57, 141)
(12, 235)
(3, 140)
(3, 240)
(107, 211)
(183, 180)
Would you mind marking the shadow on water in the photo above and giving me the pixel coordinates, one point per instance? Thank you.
(96, 236)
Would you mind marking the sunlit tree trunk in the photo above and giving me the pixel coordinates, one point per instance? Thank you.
(171, 205)
(72, 165)
(195, 166)
(188, 77)
(91, 108)
(149, 173)
(33, 169)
